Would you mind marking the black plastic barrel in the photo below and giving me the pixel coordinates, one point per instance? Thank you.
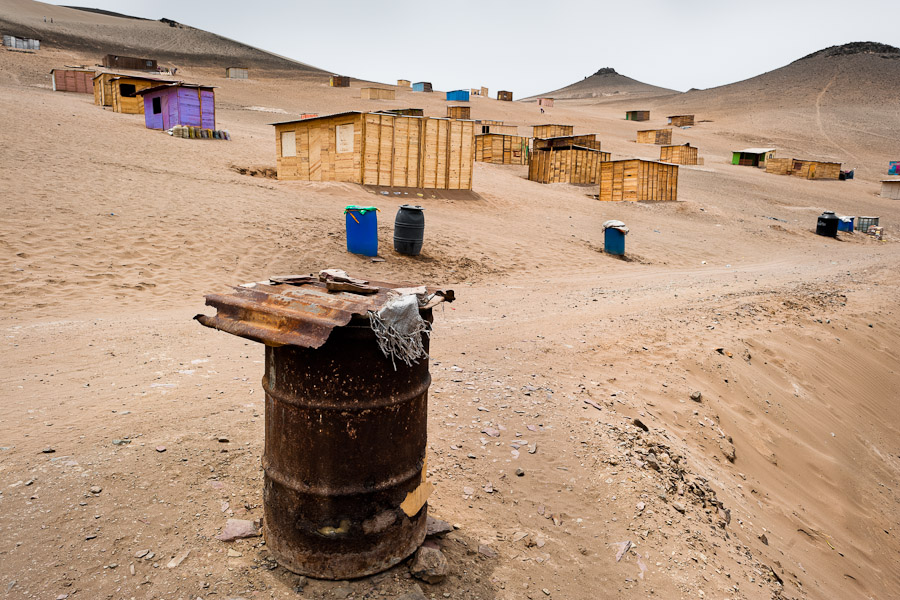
(827, 224)
(409, 229)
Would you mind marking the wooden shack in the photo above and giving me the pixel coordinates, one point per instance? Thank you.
(654, 136)
(459, 112)
(679, 155)
(505, 96)
(237, 73)
(681, 120)
(805, 169)
(422, 86)
(373, 93)
(21, 43)
(403, 83)
(496, 127)
(121, 91)
(72, 80)
(588, 140)
(638, 180)
(482, 91)
(548, 131)
(377, 149)
(339, 81)
(409, 112)
(565, 164)
(546, 102)
(112, 61)
(637, 115)
(501, 149)
(752, 157)
(890, 188)
(173, 104)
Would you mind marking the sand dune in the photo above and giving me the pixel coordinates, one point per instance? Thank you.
(782, 481)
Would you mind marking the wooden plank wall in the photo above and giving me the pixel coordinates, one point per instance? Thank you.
(586, 140)
(637, 115)
(505, 96)
(339, 81)
(132, 105)
(370, 93)
(654, 136)
(680, 155)
(681, 120)
(565, 165)
(638, 180)
(459, 112)
(388, 150)
(779, 166)
(404, 83)
(501, 149)
(499, 128)
(549, 131)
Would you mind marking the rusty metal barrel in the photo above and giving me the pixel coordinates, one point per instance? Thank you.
(345, 429)
(345, 445)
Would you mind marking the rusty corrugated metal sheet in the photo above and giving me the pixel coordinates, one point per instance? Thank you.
(296, 314)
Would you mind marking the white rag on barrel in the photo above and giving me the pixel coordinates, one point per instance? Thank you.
(398, 326)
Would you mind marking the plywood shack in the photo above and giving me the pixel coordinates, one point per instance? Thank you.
(638, 180)
(409, 112)
(546, 102)
(422, 86)
(548, 131)
(501, 149)
(21, 43)
(654, 136)
(459, 112)
(588, 140)
(496, 127)
(72, 80)
(120, 91)
(679, 155)
(237, 73)
(890, 188)
(403, 83)
(752, 157)
(377, 149)
(372, 93)
(806, 169)
(482, 91)
(565, 164)
(505, 95)
(339, 81)
(173, 104)
(681, 120)
(113, 61)
(637, 115)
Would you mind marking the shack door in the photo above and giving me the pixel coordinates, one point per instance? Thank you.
(208, 109)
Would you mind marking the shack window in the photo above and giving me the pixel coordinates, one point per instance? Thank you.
(288, 143)
(157, 105)
(344, 138)
(149, 63)
(127, 89)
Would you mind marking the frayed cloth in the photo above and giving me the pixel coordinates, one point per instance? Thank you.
(398, 327)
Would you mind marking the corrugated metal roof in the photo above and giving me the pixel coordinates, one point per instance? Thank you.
(343, 114)
(300, 313)
(175, 84)
(755, 150)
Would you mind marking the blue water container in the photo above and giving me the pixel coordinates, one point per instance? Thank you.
(614, 241)
(846, 224)
(362, 229)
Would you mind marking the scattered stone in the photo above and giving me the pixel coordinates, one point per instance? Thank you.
(641, 506)
(232, 553)
(160, 448)
(29, 482)
(179, 558)
(679, 507)
(520, 472)
(48, 450)
(121, 442)
(90, 537)
(131, 569)
(696, 396)
(764, 539)
(546, 591)
(623, 547)
(236, 529)
(487, 551)
(429, 565)
(415, 594)
(96, 489)
(539, 542)
(112, 566)
(224, 440)
(519, 535)
(532, 448)
(436, 527)
(727, 450)
(141, 553)
(640, 425)
(491, 432)
(468, 492)
(150, 556)
(342, 592)
(62, 597)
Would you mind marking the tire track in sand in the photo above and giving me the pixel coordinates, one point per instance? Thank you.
(819, 118)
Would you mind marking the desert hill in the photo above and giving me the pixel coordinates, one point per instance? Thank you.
(96, 33)
(606, 83)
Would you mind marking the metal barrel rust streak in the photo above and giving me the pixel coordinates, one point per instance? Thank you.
(345, 444)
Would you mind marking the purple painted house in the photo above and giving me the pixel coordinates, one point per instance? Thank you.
(179, 104)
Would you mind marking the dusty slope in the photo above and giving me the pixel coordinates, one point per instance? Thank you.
(606, 83)
(112, 233)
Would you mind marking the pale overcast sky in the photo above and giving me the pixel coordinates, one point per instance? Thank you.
(533, 46)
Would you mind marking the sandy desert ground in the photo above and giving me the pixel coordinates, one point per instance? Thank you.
(783, 481)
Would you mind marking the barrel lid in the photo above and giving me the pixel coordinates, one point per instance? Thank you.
(361, 209)
(412, 207)
(828, 212)
(301, 310)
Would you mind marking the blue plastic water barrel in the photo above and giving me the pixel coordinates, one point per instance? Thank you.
(362, 229)
(614, 241)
